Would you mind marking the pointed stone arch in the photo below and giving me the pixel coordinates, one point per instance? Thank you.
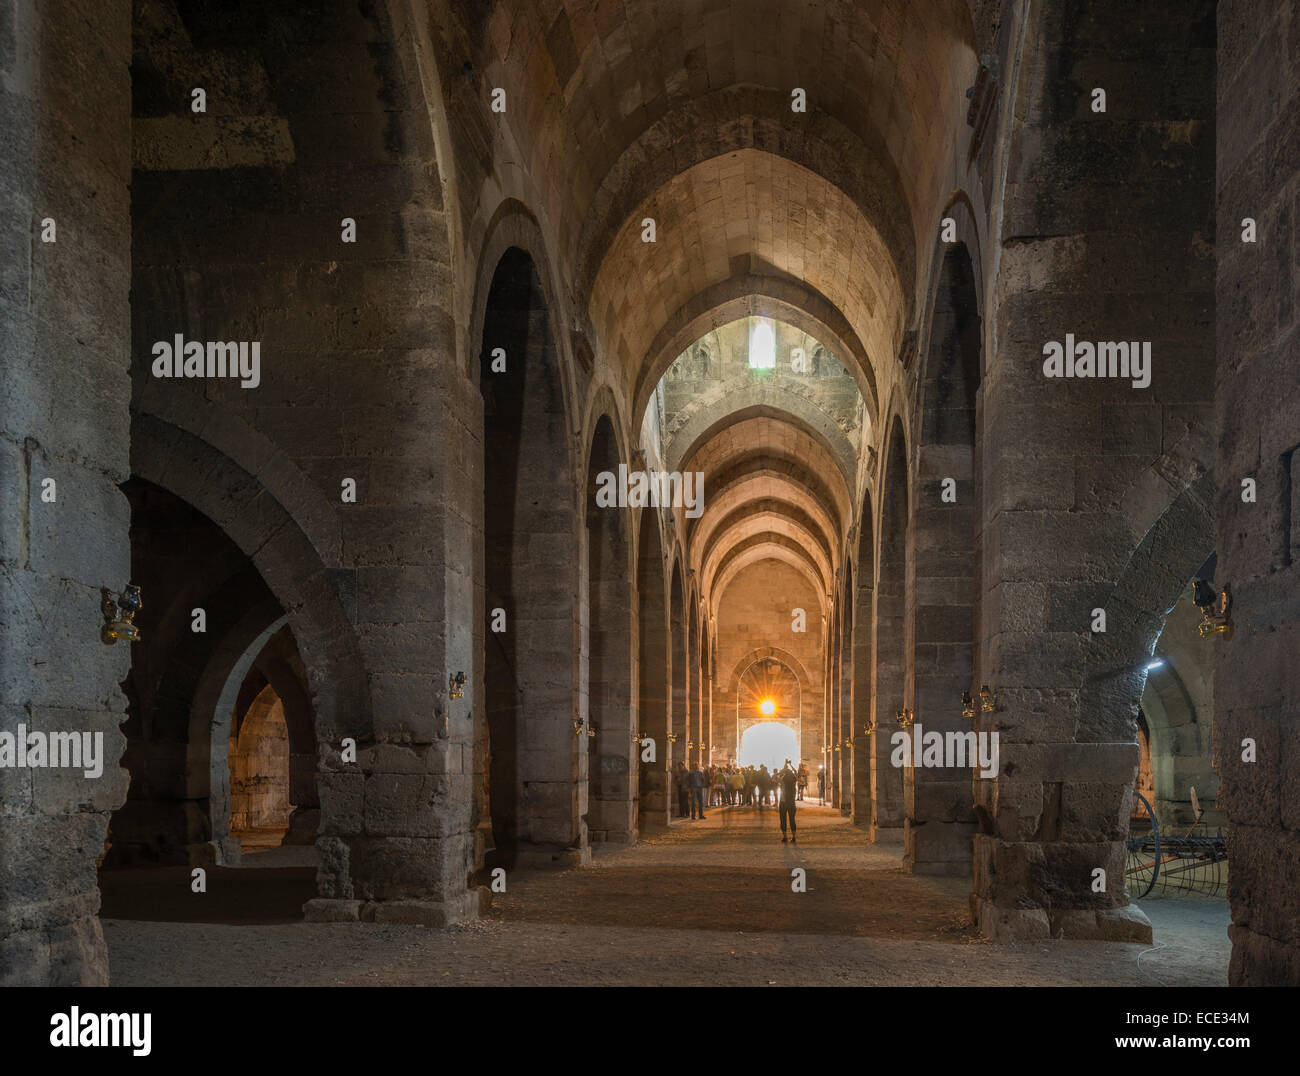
(236, 503)
(863, 683)
(944, 569)
(607, 616)
(679, 665)
(653, 721)
(530, 531)
(889, 667)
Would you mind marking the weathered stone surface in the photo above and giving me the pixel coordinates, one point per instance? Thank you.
(1013, 924)
(1255, 677)
(900, 361)
(331, 910)
(1128, 924)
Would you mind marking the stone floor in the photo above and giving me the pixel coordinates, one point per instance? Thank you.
(702, 903)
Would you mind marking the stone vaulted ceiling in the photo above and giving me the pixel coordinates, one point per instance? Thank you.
(681, 110)
(778, 476)
(718, 219)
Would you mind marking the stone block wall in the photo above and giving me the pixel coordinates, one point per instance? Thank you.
(64, 391)
(338, 471)
(1095, 491)
(1257, 676)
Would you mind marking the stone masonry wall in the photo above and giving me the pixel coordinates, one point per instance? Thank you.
(64, 391)
(1257, 676)
(241, 234)
(1094, 493)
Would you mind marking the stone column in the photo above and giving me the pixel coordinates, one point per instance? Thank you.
(1105, 235)
(64, 398)
(398, 836)
(694, 729)
(887, 665)
(846, 738)
(834, 697)
(1257, 679)
(861, 717)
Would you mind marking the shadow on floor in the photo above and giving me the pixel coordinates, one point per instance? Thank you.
(234, 895)
(884, 904)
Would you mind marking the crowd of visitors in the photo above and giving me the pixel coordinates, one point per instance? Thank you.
(736, 786)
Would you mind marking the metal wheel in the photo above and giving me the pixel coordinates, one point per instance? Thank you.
(1142, 866)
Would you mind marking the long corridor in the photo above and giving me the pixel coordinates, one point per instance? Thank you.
(703, 903)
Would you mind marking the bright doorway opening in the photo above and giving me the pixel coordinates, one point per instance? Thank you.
(769, 743)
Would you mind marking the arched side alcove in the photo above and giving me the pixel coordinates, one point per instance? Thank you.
(207, 618)
(611, 753)
(675, 748)
(536, 772)
(864, 579)
(944, 568)
(258, 758)
(889, 666)
(846, 689)
(211, 722)
(271, 660)
(652, 676)
(1178, 711)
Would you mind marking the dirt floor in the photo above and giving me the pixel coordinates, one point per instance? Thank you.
(704, 903)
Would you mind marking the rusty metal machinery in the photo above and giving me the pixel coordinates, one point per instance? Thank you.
(1167, 864)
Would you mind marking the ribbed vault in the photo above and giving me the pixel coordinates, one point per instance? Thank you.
(600, 94)
(713, 118)
(745, 212)
(778, 448)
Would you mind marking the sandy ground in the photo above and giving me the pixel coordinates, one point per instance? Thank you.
(705, 903)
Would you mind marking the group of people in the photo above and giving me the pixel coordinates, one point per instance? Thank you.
(739, 786)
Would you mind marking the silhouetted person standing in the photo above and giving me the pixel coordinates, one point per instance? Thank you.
(789, 790)
(695, 782)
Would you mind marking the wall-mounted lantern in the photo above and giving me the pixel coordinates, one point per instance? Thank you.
(119, 615)
(1214, 607)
